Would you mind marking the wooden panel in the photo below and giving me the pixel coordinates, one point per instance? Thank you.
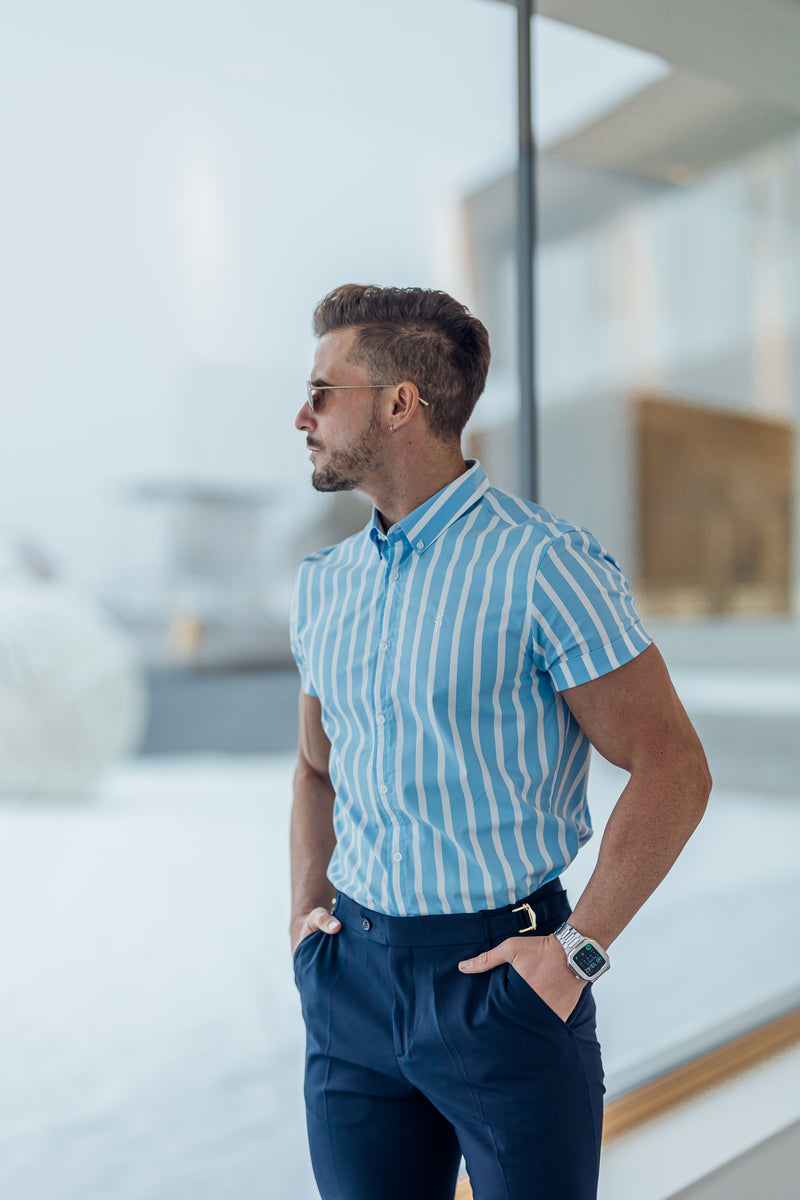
(684, 1083)
(715, 509)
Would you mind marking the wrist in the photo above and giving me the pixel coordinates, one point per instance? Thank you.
(585, 957)
(309, 900)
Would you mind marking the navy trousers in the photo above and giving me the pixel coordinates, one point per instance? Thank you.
(410, 1064)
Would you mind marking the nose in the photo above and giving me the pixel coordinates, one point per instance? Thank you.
(304, 419)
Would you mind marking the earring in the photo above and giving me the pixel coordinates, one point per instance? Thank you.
(391, 429)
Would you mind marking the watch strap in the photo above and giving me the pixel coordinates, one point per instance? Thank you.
(570, 938)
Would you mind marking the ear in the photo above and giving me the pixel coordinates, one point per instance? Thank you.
(405, 404)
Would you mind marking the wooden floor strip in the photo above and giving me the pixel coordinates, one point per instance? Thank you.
(710, 1070)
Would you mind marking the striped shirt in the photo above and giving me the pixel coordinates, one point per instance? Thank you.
(438, 652)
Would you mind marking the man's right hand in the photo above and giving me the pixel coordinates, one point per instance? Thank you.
(318, 918)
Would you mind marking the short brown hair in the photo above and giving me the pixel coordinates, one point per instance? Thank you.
(419, 335)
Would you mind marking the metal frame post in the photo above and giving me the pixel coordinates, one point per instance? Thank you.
(526, 237)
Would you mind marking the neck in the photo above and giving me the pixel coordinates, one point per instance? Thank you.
(413, 482)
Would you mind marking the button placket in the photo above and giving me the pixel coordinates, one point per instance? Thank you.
(383, 667)
(381, 698)
(386, 663)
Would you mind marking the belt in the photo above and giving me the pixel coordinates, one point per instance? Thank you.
(453, 929)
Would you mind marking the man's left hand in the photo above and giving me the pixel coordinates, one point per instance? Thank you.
(541, 962)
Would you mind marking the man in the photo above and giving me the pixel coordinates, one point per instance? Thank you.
(458, 657)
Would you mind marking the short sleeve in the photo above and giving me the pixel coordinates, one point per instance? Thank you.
(297, 630)
(585, 623)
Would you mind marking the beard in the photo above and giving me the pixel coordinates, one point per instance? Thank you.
(345, 469)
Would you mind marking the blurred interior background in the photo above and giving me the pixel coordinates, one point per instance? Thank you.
(181, 183)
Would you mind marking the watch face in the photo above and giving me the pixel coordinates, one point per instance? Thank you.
(589, 960)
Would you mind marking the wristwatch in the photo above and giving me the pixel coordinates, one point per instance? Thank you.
(588, 960)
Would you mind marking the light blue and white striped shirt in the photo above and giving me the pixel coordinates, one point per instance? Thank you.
(438, 652)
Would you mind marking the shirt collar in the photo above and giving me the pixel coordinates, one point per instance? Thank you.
(424, 525)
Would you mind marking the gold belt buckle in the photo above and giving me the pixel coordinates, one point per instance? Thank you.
(531, 917)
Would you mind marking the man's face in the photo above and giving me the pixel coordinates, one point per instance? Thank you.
(343, 432)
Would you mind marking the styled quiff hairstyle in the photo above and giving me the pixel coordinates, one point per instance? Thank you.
(414, 334)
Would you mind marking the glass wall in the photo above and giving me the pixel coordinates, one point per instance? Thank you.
(182, 182)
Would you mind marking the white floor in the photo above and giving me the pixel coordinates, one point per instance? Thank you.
(152, 1042)
(151, 1037)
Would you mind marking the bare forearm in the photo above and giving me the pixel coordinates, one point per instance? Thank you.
(635, 719)
(312, 842)
(651, 822)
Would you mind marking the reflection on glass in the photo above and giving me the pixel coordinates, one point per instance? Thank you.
(668, 318)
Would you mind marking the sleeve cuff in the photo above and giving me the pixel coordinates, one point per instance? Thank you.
(306, 685)
(581, 668)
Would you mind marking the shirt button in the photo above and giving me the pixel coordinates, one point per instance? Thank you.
(420, 545)
(366, 923)
(383, 789)
(383, 646)
(397, 856)
(381, 719)
(395, 575)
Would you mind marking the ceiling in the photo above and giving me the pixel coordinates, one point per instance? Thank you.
(752, 45)
(678, 128)
(734, 85)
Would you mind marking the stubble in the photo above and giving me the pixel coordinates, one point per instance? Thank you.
(345, 469)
